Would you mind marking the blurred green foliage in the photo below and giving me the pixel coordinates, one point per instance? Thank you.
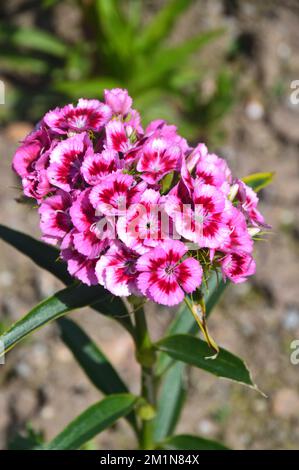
(117, 48)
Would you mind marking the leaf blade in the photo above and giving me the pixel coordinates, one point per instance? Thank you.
(72, 297)
(46, 257)
(194, 351)
(162, 24)
(170, 402)
(190, 442)
(258, 181)
(92, 360)
(93, 421)
(184, 321)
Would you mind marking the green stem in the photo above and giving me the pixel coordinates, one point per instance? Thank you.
(146, 357)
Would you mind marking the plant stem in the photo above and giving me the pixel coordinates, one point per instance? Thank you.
(146, 358)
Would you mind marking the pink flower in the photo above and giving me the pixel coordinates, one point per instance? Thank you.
(55, 222)
(97, 177)
(29, 152)
(87, 115)
(88, 238)
(157, 158)
(117, 137)
(65, 162)
(249, 202)
(160, 129)
(141, 227)
(202, 221)
(80, 267)
(213, 170)
(91, 234)
(97, 165)
(37, 184)
(238, 239)
(31, 160)
(237, 267)
(199, 152)
(116, 270)
(118, 100)
(114, 194)
(164, 277)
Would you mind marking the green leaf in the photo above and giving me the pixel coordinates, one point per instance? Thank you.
(170, 402)
(184, 321)
(93, 421)
(189, 442)
(117, 30)
(157, 69)
(11, 62)
(70, 298)
(87, 88)
(92, 360)
(34, 39)
(258, 181)
(47, 256)
(195, 352)
(162, 23)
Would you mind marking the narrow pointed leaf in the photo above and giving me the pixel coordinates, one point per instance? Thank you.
(93, 421)
(194, 351)
(167, 60)
(189, 442)
(258, 181)
(34, 39)
(47, 257)
(70, 298)
(92, 360)
(162, 24)
(170, 402)
(185, 322)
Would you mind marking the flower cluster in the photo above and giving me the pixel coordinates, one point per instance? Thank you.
(137, 211)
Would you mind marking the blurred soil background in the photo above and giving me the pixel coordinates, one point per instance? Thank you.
(41, 386)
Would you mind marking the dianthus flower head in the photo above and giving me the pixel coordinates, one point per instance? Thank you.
(138, 211)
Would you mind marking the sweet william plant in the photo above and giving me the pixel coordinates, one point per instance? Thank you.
(128, 216)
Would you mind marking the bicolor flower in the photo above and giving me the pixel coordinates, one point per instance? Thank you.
(55, 221)
(29, 152)
(116, 270)
(213, 170)
(202, 221)
(97, 177)
(114, 194)
(88, 115)
(118, 136)
(165, 276)
(249, 202)
(92, 232)
(141, 226)
(157, 158)
(66, 160)
(238, 239)
(80, 266)
(237, 267)
(97, 165)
